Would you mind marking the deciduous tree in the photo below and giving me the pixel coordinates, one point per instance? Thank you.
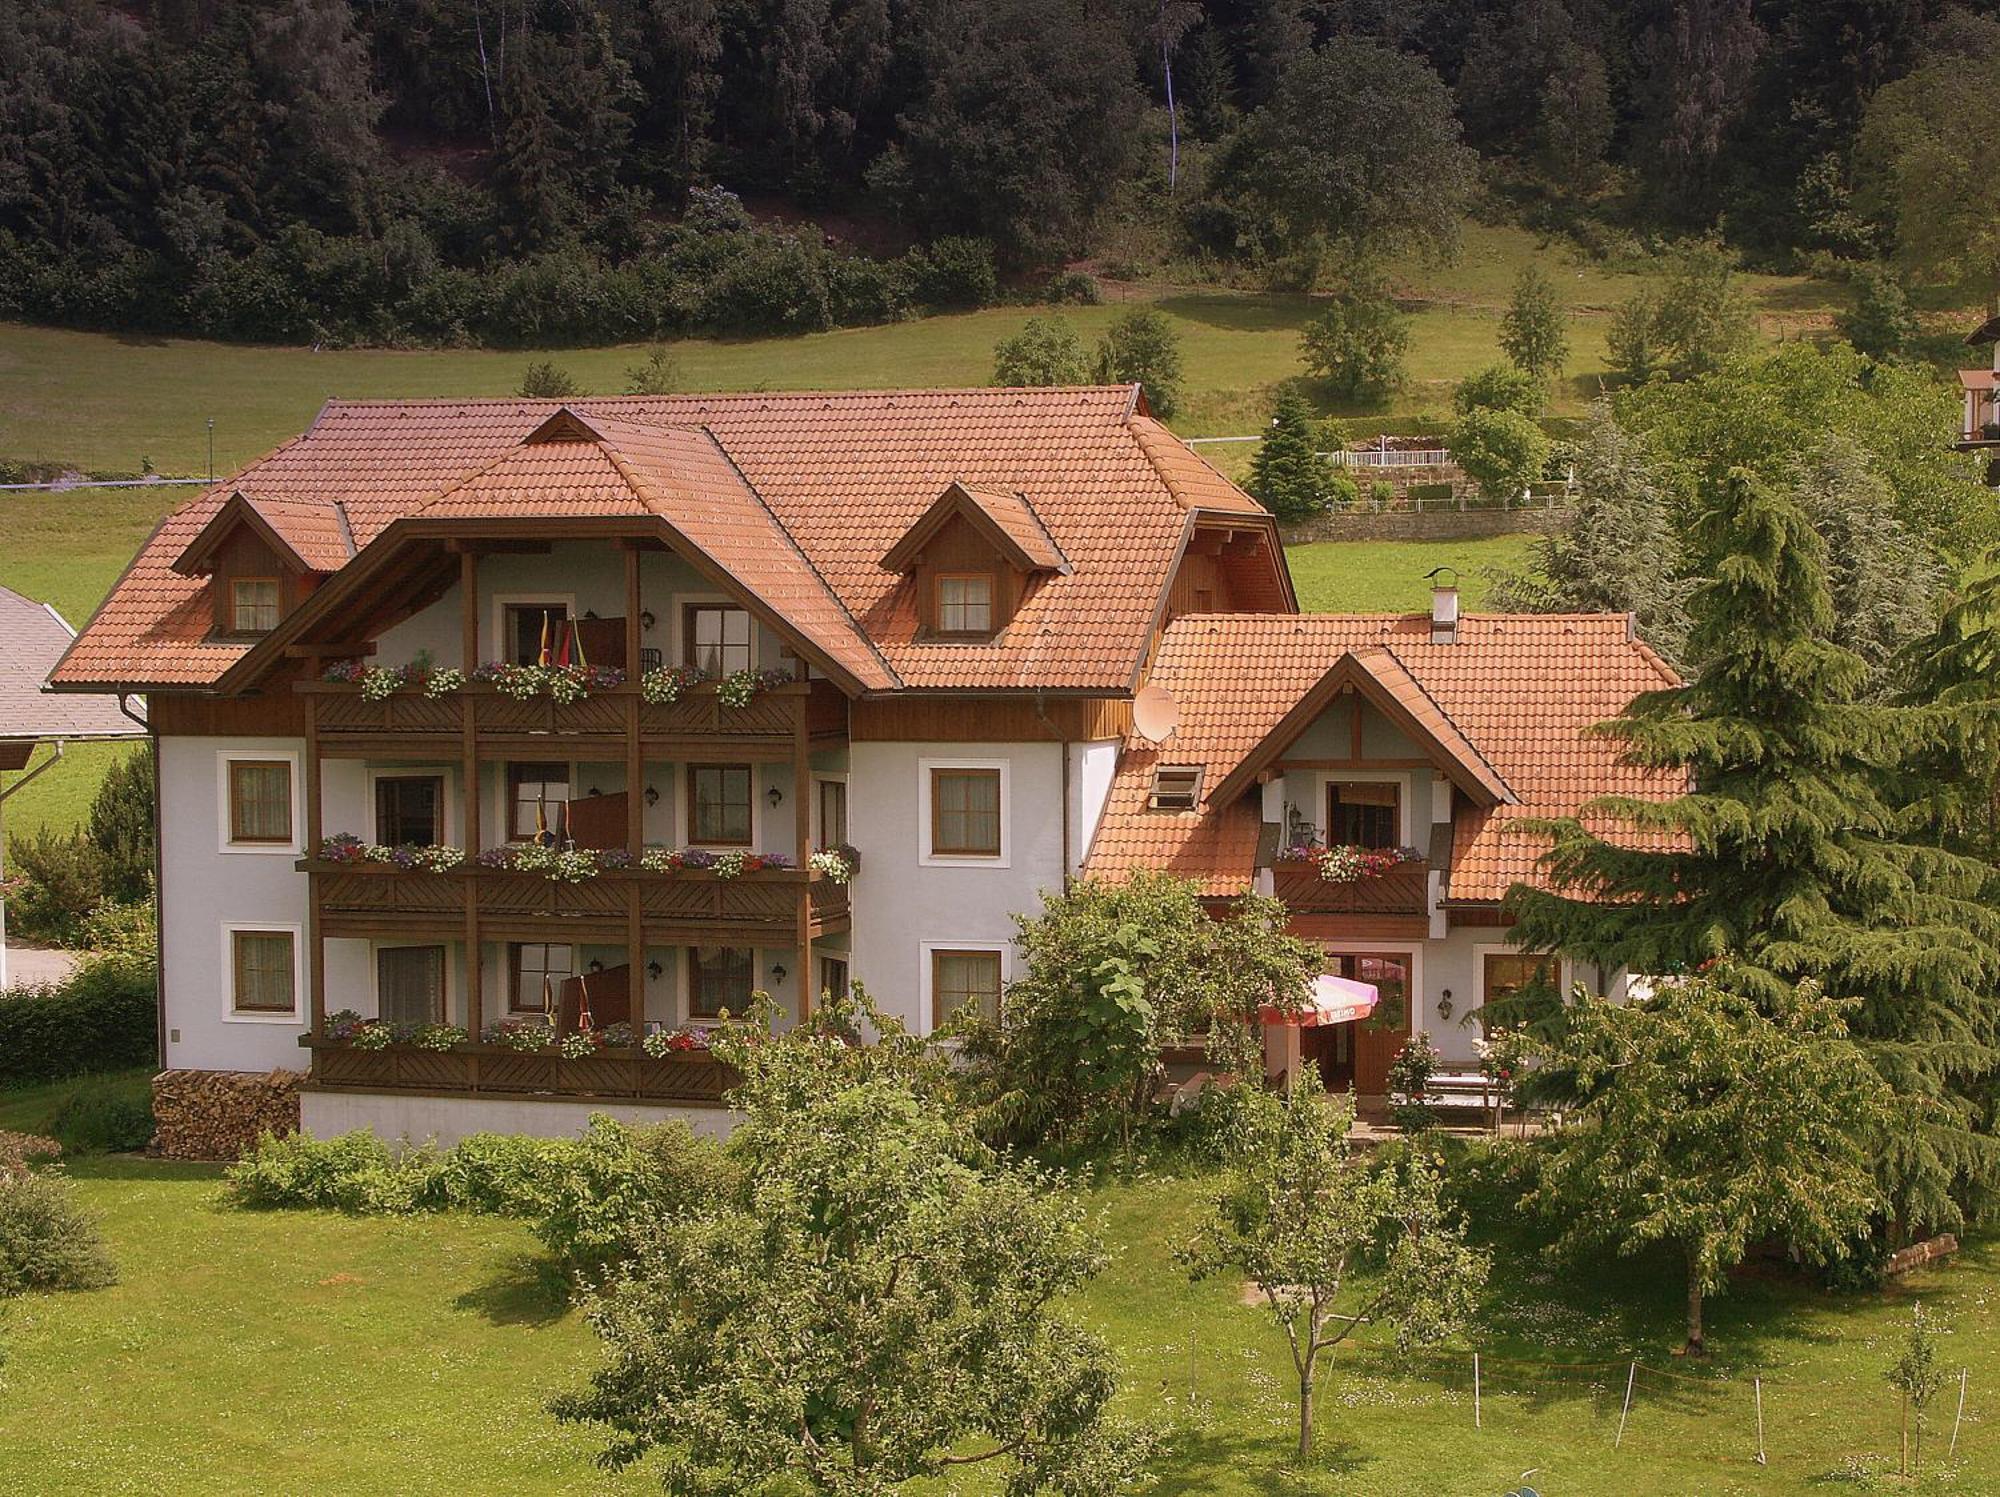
(1142, 348)
(1501, 451)
(1332, 1246)
(1046, 351)
(1531, 334)
(1355, 346)
(1705, 1120)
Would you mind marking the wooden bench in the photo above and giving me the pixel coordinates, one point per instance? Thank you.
(1457, 1089)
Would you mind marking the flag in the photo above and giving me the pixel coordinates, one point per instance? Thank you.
(564, 631)
(581, 659)
(543, 658)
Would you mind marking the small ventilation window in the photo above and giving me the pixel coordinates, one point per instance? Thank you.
(1176, 787)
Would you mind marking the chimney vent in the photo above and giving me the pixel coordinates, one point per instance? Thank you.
(1444, 605)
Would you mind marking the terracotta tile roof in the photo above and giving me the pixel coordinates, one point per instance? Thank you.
(1519, 688)
(33, 637)
(1008, 519)
(844, 474)
(1978, 379)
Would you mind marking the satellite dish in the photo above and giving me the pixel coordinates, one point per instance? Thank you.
(1155, 713)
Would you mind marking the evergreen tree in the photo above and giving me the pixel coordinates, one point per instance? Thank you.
(1954, 787)
(1789, 850)
(1619, 553)
(1287, 475)
(527, 172)
(1531, 334)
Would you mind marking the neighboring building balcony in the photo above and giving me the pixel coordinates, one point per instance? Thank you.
(686, 906)
(348, 724)
(1401, 890)
(623, 1074)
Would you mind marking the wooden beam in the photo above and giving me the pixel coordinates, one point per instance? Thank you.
(475, 976)
(635, 756)
(802, 822)
(635, 955)
(1284, 765)
(463, 546)
(468, 613)
(321, 649)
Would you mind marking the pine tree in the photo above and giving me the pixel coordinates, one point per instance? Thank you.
(1288, 476)
(1791, 851)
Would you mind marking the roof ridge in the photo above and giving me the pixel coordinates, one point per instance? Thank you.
(553, 402)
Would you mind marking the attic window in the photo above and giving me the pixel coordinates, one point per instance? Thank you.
(965, 603)
(253, 605)
(1176, 787)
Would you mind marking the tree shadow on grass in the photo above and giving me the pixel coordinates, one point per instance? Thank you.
(1194, 1456)
(527, 1290)
(137, 1167)
(1254, 312)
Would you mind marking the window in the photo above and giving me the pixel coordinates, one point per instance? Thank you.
(1364, 813)
(962, 977)
(538, 973)
(719, 804)
(717, 639)
(538, 802)
(1509, 976)
(260, 801)
(1176, 787)
(833, 976)
(265, 971)
(529, 625)
(409, 984)
(718, 978)
(833, 813)
(409, 808)
(965, 813)
(253, 605)
(965, 603)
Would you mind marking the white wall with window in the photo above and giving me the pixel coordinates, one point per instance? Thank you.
(213, 881)
(908, 893)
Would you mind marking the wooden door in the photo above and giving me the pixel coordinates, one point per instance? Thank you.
(598, 821)
(609, 993)
(1378, 1038)
(603, 642)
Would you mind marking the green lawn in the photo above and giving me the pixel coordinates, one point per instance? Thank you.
(251, 1352)
(1377, 576)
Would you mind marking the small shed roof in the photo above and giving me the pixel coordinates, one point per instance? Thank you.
(33, 637)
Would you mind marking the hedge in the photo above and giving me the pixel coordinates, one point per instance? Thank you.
(103, 1018)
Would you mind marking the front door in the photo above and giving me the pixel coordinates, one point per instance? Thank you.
(1359, 1054)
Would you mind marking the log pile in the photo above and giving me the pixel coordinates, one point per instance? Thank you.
(219, 1114)
(1919, 1253)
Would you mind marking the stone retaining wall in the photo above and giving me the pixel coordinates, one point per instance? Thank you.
(219, 1114)
(1431, 525)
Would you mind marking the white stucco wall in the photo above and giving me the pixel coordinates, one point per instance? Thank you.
(1092, 767)
(903, 905)
(205, 889)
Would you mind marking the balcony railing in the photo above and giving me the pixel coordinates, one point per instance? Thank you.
(342, 713)
(496, 1071)
(1399, 891)
(689, 904)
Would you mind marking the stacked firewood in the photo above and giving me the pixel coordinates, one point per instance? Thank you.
(219, 1114)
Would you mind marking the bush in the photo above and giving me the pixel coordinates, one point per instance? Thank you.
(542, 380)
(1880, 323)
(104, 1017)
(615, 1182)
(1501, 451)
(1046, 351)
(101, 1114)
(46, 1242)
(1498, 387)
(955, 273)
(1072, 288)
(299, 1171)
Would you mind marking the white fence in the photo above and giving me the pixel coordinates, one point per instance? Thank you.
(1362, 457)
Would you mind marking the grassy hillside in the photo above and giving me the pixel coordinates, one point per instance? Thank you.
(103, 404)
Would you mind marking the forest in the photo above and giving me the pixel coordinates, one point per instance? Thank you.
(533, 171)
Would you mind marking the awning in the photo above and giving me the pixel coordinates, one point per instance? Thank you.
(1335, 1000)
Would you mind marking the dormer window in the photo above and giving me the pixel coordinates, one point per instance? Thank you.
(253, 605)
(1176, 787)
(965, 603)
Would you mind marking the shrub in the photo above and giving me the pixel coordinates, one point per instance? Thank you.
(1073, 288)
(544, 381)
(1498, 387)
(102, 1114)
(46, 1242)
(1880, 323)
(658, 374)
(1501, 451)
(1046, 351)
(299, 1171)
(615, 1183)
(102, 1018)
(954, 272)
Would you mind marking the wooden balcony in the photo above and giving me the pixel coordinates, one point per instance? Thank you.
(409, 724)
(1400, 891)
(627, 1075)
(690, 907)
